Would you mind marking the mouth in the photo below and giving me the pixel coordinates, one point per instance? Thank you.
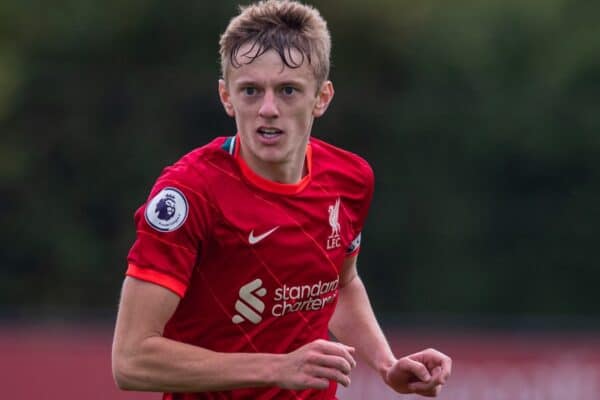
(269, 132)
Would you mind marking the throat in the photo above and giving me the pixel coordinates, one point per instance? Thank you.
(284, 173)
(287, 172)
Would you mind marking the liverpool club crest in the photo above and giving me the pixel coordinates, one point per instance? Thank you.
(333, 241)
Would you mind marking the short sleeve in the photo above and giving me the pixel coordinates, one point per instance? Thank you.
(169, 235)
(361, 205)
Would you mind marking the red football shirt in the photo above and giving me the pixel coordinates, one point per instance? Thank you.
(256, 263)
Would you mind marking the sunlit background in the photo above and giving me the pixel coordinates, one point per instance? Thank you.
(480, 119)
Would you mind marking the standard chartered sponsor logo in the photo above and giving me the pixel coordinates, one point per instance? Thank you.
(286, 299)
(248, 298)
(304, 297)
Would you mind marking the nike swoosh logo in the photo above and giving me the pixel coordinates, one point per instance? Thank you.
(255, 239)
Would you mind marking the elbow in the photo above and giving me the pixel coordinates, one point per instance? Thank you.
(131, 366)
(121, 381)
(123, 373)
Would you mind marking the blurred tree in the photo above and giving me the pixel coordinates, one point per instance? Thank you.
(479, 119)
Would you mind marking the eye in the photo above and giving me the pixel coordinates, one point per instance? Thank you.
(249, 91)
(288, 90)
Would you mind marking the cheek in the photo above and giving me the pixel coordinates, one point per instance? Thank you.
(305, 118)
(243, 115)
(303, 114)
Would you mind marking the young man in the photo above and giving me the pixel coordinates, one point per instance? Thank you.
(246, 249)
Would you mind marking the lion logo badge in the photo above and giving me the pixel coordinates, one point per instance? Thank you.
(167, 211)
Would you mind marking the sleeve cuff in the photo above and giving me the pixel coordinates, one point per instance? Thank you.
(353, 253)
(159, 278)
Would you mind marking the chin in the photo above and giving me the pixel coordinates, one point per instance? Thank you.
(273, 157)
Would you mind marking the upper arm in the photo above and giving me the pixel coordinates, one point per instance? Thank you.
(144, 310)
(171, 227)
(349, 271)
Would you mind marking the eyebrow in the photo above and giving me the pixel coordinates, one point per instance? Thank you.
(283, 82)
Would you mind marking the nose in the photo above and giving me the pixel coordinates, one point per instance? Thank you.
(268, 108)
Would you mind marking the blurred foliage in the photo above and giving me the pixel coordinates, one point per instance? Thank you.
(479, 118)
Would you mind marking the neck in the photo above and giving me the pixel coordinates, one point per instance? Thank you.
(287, 172)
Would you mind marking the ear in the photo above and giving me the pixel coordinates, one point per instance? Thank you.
(226, 98)
(324, 97)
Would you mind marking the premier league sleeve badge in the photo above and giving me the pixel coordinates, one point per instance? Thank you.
(167, 211)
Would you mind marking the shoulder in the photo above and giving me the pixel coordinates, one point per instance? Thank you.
(183, 189)
(199, 165)
(340, 164)
(190, 178)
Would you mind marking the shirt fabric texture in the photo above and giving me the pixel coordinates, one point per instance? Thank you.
(256, 263)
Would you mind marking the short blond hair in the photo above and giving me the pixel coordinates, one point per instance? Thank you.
(280, 25)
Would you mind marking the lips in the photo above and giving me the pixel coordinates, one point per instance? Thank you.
(264, 130)
(269, 131)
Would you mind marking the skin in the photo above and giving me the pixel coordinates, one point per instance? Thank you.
(142, 359)
(354, 323)
(266, 93)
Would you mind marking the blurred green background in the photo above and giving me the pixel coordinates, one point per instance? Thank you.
(480, 119)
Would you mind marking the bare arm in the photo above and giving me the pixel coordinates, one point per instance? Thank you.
(354, 323)
(142, 359)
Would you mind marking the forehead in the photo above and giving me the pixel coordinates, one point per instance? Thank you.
(269, 66)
